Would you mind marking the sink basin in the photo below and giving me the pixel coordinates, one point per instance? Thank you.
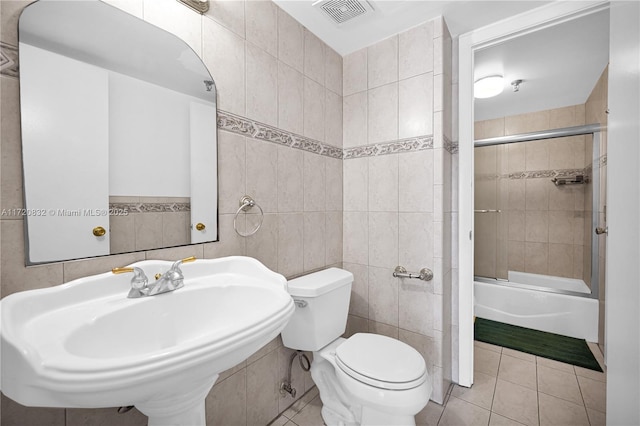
(84, 344)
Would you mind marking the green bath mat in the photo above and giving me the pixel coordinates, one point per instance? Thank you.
(548, 345)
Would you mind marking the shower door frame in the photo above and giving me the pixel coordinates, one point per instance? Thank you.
(589, 129)
(545, 16)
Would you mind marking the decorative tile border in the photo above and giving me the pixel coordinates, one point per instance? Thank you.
(450, 146)
(247, 127)
(126, 208)
(538, 174)
(9, 60)
(419, 143)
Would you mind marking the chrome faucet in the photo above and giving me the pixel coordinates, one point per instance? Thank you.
(169, 281)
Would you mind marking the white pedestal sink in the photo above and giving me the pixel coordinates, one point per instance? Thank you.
(84, 344)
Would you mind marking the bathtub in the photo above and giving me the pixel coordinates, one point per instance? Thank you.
(526, 305)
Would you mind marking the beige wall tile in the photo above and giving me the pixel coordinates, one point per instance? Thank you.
(536, 226)
(356, 237)
(333, 237)
(355, 112)
(415, 51)
(383, 296)
(383, 239)
(11, 162)
(148, 229)
(313, 57)
(262, 85)
(537, 155)
(230, 243)
(262, 176)
(176, 230)
(227, 402)
(290, 180)
(359, 302)
(290, 41)
(517, 194)
(415, 179)
(382, 114)
(354, 77)
(537, 194)
(561, 229)
(262, 389)
(536, 257)
(383, 183)
(314, 106)
(261, 18)
(382, 62)
(14, 414)
(415, 237)
(228, 13)
(415, 106)
(290, 244)
(413, 299)
(314, 240)
(334, 183)
(383, 329)
(122, 237)
(9, 16)
(333, 71)
(355, 325)
(356, 184)
(314, 183)
(263, 245)
(525, 123)
(333, 119)
(290, 99)
(488, 128)
(223, 52)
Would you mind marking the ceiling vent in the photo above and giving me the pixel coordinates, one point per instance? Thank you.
(342, 11)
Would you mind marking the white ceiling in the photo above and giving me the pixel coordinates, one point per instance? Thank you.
(394, 16)
(559, 65)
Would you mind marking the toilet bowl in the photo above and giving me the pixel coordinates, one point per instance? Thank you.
(367, 379)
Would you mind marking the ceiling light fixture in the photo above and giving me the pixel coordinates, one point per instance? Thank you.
(516, 85)
(488, 87)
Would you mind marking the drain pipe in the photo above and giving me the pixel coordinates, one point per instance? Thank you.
(305, 364)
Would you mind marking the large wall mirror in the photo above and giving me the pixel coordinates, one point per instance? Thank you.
(118, 134)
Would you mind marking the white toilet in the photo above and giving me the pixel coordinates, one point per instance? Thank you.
(367, 379)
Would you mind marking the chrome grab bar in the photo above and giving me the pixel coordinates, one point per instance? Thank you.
(487, 211)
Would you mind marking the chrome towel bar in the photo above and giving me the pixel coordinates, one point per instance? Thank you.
(425, 273)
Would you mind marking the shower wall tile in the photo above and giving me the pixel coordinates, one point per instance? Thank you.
(561, 260)
(382, 62)
(313, 57)
(415, 179)
(313, 111)
(333, 119)
(355, 111)
(290, 239)
(382, 111)
(356, 184)
(525, 123)
(354, 72)
(314, 182)
(262, 85)
(359, 302)
(314, 240)
(290, 99)
(228, 13)
(262, 25)
(536, 257)
(415, 51)
(383, 183)
(290, 41)
(537, 155)
(415, 106)
(223, 52)
(537, 226)
(332, 71)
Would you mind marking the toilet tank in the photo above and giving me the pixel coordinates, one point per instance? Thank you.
(322, 305)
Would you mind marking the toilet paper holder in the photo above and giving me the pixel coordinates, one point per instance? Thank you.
(425, 274)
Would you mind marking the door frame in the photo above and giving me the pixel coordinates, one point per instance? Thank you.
(545, 16)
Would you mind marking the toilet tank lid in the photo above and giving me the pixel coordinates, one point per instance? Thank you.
(320, 282)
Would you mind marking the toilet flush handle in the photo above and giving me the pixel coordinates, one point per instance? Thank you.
(300, 303)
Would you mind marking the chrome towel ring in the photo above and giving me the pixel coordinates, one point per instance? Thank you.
(246, 203)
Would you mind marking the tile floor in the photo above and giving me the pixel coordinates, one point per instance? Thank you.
(511, 388)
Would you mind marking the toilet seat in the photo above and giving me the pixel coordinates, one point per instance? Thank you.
(381, 362)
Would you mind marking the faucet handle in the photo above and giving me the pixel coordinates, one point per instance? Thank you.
(138, 282)
(177, 263)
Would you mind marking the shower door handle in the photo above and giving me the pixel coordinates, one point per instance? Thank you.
(600, 230)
